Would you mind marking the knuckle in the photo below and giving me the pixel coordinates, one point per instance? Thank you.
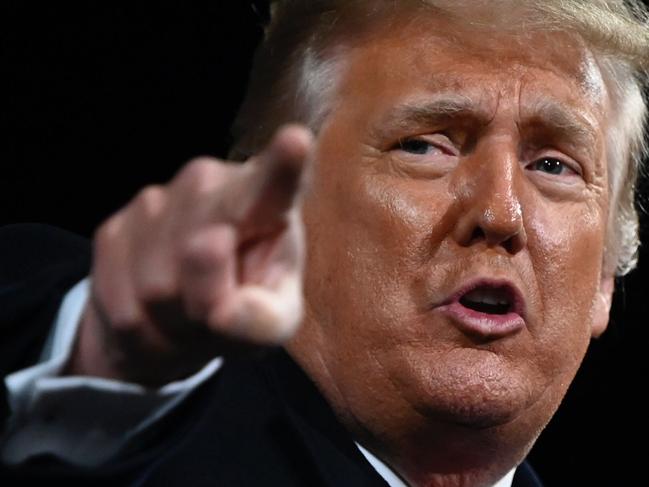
(201, 174)
(208, 247)
(107, 233)
(154, 290)
(151, 200)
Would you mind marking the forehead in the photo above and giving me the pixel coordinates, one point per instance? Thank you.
(427, 53)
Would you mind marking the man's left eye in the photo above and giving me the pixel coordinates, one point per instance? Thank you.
(553, 166)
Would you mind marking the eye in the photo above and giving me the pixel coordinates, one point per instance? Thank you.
(421, 146)
(553, 166)
(430, 155)
(416, 146)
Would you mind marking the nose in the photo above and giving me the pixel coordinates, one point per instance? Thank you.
(488, 193)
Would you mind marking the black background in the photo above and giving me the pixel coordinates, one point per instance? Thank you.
(99, 99)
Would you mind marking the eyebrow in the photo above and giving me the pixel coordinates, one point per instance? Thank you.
(558, 119)
(564, 122)
(432, 110)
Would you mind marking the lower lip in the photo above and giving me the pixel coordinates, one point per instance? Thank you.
(485, 325)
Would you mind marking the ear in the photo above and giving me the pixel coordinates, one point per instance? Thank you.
(602, 306)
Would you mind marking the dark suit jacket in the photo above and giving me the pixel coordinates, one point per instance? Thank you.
(257, 422)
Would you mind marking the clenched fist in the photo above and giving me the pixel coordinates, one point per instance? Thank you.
(197, 268)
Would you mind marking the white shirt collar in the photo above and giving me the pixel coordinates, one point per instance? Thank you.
(394, 480)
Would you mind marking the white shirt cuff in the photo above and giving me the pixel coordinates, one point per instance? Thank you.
(82, 420)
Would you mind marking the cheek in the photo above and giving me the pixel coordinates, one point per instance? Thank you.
(566, 248)
(402, 215)
(369, 233)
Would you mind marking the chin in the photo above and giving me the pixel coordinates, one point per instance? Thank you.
(473, 414)
(480, 391)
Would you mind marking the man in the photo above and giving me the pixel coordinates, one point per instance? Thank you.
(467, 202)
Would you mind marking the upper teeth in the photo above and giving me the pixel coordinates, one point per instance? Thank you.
(487, 296)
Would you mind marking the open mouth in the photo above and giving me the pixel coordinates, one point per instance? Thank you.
(490, 300)
(486, 308)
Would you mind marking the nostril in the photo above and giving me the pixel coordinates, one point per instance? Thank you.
(516, 242)
(477, 235)
(510, 245)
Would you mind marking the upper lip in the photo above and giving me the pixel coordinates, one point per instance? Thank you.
(518, 304)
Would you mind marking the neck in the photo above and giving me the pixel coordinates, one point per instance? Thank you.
(441, 454)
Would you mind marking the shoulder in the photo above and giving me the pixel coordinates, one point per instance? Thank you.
(30, 249)
(38, 261)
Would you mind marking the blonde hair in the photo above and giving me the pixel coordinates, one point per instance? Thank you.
(296, 69)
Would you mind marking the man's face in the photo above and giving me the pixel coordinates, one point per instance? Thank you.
(455, 232)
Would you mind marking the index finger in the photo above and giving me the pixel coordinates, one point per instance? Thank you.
(272, 180)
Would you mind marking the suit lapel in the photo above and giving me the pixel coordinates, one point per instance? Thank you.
(526, 477)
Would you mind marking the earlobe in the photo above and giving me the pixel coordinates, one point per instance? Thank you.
(602, 306)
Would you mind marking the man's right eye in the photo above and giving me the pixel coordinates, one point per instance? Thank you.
(416, 146)
(429, 155)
